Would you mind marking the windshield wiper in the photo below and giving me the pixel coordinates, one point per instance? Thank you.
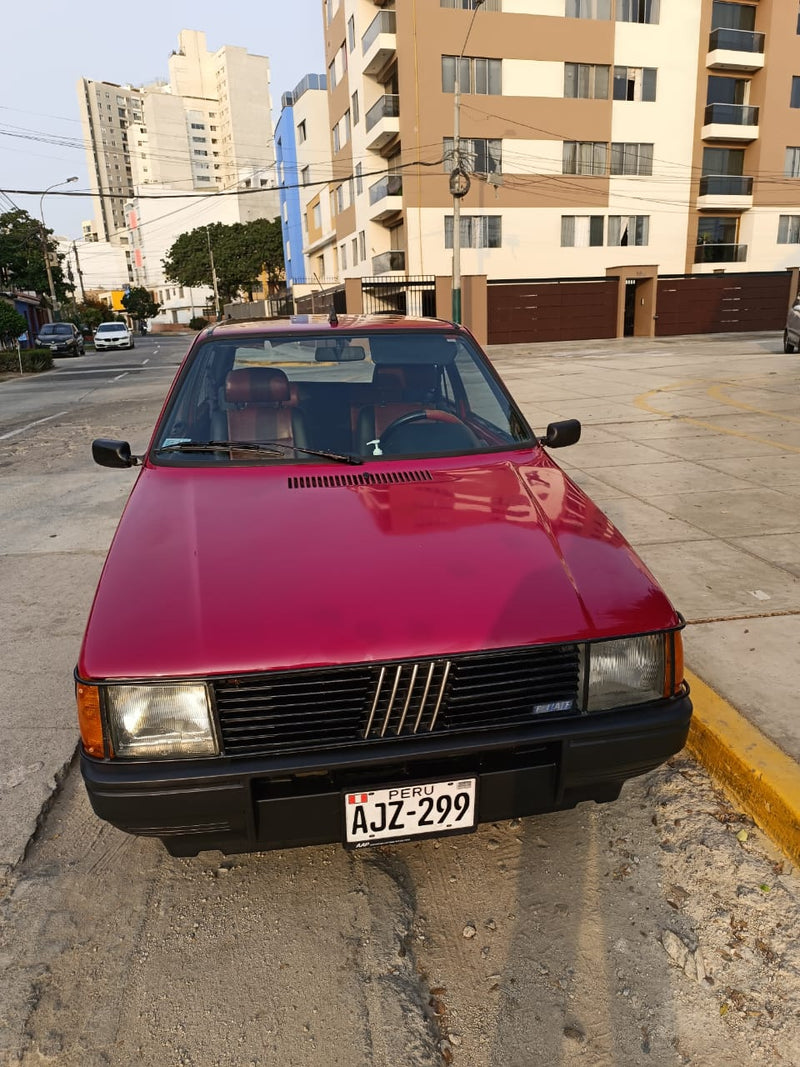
(269, 448)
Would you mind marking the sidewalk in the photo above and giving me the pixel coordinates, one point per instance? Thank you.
(692, 447)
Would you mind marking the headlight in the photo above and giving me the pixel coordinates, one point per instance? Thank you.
(628, 670)
(160, 721)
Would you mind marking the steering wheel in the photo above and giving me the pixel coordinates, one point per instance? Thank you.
(432, 415)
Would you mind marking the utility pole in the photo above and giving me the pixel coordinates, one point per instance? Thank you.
(459, 178)
(45, 248)
(217, 307)
(80, 272)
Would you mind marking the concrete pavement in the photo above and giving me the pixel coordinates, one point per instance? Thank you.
(692, 447)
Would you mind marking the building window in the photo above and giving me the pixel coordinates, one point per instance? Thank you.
(588, 9)
(792, 165)
(199, 140)
(301, 131)
(794, 99)
(354, 250)
(198, 126)
(477, 231)
(628, 229)
(470, 5)
(343, 256)
(305, 175)
(346, 127)
(359, 179)
(354, 108)
(631, 158)
(587, 81)
(316, 216)
(585, 157)
(637, 11)
(339, 199)
(481, 155)
(581, 231)
(351, 33)
(789, 230)
(635, 83)
(476, 75)
(336, 143)
(362, 245)
(332, 74)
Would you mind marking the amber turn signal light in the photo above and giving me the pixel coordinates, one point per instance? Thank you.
(89, 719)
(673, 675)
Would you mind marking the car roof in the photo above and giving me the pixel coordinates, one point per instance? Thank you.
(231, 329)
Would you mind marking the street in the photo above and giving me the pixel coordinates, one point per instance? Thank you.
(660, 929)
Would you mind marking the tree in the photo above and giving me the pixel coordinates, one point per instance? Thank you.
(139, 303)
(12, 324)
(22, 264)
(241, 251)
(91, 313)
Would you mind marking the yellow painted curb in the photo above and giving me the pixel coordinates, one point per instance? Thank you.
(761, 778)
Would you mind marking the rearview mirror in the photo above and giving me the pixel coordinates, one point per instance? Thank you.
(561, 434)
(339, 354)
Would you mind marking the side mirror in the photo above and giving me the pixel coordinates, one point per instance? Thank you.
(561, 434)
(113, 453)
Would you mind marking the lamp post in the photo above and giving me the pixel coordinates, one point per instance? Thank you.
(45, 249)
(459, 178)
(217, 308)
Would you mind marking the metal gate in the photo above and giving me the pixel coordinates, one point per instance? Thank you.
(552, 310)
(722, 303)
(405, 296)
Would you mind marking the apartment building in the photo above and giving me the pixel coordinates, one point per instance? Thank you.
(596, 134)
(208, 128)
(303, 154)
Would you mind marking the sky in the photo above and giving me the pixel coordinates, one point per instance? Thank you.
(48, 45)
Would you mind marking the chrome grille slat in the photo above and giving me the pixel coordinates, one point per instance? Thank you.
(374, 704)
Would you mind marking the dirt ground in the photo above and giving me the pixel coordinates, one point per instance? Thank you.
(658, 930)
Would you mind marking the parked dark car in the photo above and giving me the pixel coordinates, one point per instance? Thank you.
(352, 598)
(61, 337)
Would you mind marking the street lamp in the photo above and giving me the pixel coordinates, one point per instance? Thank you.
(459, 178)
(45, 249)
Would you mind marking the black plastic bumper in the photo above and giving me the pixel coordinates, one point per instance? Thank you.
(282, 802)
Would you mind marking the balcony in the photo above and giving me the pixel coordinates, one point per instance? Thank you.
(735, 50)
(379, 43)
(386, 197)
(726, 192)
(719, 253)
(730, 122)
(389, 261)
(382, 122)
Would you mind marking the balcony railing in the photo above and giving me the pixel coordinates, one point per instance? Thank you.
(736, 40)
(731, 115)
(391, 185)
(719, 253)
(725, 185)
(384, 22)
(386, 107)
(389, 261)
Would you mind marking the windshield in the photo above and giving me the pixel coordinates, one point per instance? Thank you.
(112, 327)
(372, 395)
(57, 328)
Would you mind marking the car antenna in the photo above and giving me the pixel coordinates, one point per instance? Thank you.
(332, 318)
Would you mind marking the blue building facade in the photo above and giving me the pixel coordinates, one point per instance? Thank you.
(289, 179)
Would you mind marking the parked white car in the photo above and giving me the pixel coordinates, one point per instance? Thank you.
(791, 335)
(112, 335)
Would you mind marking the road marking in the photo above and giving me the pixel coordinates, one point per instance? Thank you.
(120, 376)
(22, 429)
(715, 392)
(145, 362)
(642, 402)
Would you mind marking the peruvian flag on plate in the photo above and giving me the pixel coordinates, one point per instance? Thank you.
(357, 798)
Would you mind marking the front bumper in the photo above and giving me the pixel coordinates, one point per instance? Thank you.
(113, 344)
(253, 805)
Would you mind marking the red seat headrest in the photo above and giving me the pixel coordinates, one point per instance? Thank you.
(257, 385)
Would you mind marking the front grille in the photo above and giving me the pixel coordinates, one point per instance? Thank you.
(334, 707)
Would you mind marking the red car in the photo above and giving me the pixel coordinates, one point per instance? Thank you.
(352, 598)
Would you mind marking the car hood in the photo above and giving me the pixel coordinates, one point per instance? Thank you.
(221, 570)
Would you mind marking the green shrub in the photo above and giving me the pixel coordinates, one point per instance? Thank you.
(198, 323)
(33, 360)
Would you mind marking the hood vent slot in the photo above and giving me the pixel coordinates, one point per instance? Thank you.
(335, 481)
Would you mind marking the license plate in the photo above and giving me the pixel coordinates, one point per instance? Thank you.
(53, 348)
(398, 813)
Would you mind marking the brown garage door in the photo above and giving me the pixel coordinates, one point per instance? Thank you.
(552, 310)
(722, 303)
